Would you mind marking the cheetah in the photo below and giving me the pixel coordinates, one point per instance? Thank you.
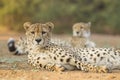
(81, 35)
(20, 47)
(43, 54)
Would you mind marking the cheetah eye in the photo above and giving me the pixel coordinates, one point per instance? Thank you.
(33, 32)
(43, 32)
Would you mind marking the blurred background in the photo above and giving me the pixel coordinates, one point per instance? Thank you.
(103, 14)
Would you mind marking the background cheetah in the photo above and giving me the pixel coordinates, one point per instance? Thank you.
(81, 35)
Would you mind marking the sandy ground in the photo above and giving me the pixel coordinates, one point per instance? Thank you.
(16, 68)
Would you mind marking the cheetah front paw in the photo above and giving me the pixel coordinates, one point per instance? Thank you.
(103, 69)
(55, 67)
(92, 68)
(58, 68)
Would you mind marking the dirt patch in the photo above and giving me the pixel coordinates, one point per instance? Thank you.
(45, 75)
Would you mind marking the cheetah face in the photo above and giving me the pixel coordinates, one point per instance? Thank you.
(38, 34)
(81, 29)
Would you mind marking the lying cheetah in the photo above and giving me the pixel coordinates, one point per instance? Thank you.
(43, 54)
(81, 35)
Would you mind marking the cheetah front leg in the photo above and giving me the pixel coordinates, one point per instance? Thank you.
(51, 67)
(92, 68)
(44, 62)
(88, 67)
(54, 67)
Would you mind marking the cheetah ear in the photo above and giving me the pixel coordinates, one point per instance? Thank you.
(26, 25)
(89, 24)
(50, 26)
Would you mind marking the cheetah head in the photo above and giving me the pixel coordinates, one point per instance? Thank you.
(38, 34)
(81, 29)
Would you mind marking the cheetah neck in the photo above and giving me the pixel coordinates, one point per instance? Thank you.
(42, 50)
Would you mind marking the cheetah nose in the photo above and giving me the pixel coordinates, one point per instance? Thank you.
(37, 40)
(77, 32)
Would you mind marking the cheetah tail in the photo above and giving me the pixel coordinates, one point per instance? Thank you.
(11, 46)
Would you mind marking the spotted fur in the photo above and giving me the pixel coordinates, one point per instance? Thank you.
(109, 57)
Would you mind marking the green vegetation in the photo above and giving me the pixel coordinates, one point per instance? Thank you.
(104, 14)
